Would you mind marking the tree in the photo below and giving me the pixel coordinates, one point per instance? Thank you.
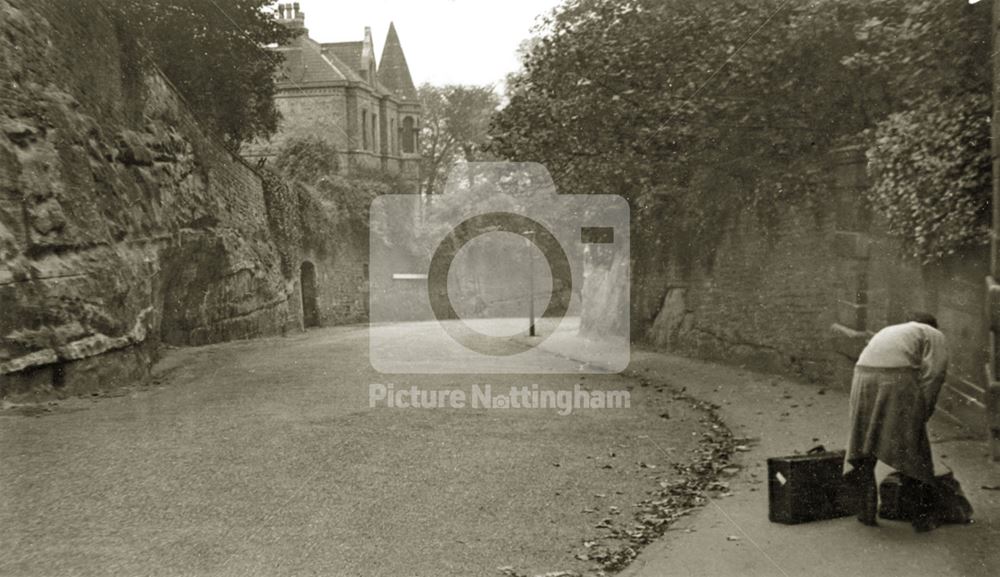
(696, 111)
(649, 98)
(214, 52)
(456, 126)
(930, 158)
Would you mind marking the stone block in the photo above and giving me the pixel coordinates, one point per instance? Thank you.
(852, 316)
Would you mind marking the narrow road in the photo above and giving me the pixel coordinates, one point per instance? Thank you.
(265, 458)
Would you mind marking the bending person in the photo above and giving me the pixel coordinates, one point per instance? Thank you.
(896, 384)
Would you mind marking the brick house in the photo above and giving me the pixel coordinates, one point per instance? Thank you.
(335, 91)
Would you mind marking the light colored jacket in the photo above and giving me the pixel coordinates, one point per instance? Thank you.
(915, 345)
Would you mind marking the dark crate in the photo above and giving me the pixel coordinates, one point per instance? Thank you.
(811, 487)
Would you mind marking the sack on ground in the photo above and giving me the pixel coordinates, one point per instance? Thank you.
(950, 505)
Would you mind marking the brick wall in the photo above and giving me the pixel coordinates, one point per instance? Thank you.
(765, 300)
(341, 282)
(803, 292)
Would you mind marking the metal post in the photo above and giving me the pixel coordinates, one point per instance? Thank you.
(531, 291)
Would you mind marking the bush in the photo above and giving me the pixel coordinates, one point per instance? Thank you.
(326, 206)
(930, 167)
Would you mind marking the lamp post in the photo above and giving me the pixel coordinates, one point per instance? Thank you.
(528, 236)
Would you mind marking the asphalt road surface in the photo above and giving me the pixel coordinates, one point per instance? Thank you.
(265, 458)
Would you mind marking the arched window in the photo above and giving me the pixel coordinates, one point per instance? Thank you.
(364, 130)
(409, 135)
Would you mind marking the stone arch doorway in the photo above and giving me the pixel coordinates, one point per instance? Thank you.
(307, 284)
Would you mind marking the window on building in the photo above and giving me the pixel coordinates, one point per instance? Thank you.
(392, 137)
(364, 130)
(409, 135)
(375, 135)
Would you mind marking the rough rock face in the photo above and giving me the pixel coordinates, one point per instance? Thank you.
(673, 320)
(121, 223)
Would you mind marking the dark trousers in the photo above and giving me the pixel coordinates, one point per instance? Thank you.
(919, 496)
(865, 479)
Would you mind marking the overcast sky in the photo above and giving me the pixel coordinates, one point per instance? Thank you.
(445, 41)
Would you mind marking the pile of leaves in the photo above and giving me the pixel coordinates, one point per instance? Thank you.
(675, 497)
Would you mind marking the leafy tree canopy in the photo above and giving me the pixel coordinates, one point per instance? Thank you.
(695, 110)
(214, 52)
(456, 121)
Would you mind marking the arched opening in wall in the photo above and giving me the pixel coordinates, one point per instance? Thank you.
(307, 283)
(409, 135)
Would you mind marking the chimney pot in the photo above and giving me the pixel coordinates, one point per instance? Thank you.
(296, 6)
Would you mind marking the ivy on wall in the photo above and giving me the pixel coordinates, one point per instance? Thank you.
(311, 206)
(282, 206)
(931, 176)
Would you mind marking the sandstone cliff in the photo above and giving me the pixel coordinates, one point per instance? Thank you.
(122, 224)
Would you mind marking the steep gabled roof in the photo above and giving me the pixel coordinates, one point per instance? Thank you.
(305, 64)
(347, 52)
(393, 73)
